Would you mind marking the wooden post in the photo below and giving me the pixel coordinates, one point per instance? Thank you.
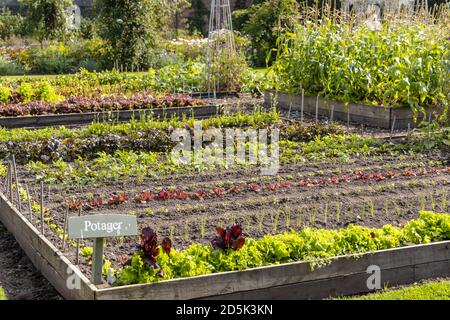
(429, 127)
(19, 202)
(6, 181)
(317, 109)
(303, 105)
(290, 108)
(332, 113)
(10, 182)
(42, 207)
(348, 117)
(97, 260)
(29, 203)
(77, 258)
(65, 228)
(408, 132)
(392, 129)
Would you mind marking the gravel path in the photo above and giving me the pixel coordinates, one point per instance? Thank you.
(18, 277)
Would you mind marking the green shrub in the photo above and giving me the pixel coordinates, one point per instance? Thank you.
(10, 24)
(51, 60)
(5, 94)
(87, 29)
(8, 67)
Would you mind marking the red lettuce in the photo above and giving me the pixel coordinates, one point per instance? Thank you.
(229, 238)
(149, 246)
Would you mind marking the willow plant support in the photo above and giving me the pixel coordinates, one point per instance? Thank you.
(220, 43)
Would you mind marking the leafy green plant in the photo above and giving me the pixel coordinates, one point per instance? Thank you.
(47, 93)
(399, 65)
(25, 90)
(317, 246)
(87, 252)
(5, 94)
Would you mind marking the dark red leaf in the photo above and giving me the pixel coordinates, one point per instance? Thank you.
(167, 245)
(229, 238)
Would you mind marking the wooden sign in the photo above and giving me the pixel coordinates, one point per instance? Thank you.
(99, 227)
(102, 226)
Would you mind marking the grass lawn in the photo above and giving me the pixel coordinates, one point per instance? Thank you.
(260, 71)
(437, 290)
(2, 294)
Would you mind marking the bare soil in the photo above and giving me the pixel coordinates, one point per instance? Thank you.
(18, 277)
(369, 202)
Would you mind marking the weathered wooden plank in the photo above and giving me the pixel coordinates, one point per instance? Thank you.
(280, 281)
(124, 115)
(351, 284)
(44, 256)
(219, 95)
(437, 269)
(273, 276)
(345, 285)
(356, 112)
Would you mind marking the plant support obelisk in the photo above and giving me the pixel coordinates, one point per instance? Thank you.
(221, 47)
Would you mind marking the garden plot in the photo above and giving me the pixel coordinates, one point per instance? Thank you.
(108, 96)
(328, 179)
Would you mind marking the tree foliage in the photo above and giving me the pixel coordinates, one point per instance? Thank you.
(133, 27)
(197, 20)
(10, 24)
(46, 19)
(264, 22)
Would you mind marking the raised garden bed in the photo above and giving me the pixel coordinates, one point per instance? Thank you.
(374, 116)
(343, 276)
(217, 95)
(119, 116)
(327, 180)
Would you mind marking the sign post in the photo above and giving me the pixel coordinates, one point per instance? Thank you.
(99, 227)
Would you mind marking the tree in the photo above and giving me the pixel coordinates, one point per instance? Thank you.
(133, 27)
(46, 19)
(240, 4)
(264, 22)
(197, 20)
(10, 24)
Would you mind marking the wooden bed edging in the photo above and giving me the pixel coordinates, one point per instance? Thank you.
(345, 275)
(219, 95)
(48, 259)
(374, 116)
(121, 116)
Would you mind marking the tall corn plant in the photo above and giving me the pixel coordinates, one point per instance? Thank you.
(406, 63)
